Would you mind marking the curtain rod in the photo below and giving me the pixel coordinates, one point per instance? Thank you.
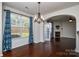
(17, 13)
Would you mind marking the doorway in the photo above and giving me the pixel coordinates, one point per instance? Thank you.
(63, 29)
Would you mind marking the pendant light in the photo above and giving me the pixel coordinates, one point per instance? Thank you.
(39, 18)
(70, 19)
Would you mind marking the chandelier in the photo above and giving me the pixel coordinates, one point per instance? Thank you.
(38, 18)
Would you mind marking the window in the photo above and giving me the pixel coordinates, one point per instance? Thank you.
(19, 26)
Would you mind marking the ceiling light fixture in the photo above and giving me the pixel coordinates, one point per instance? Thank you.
(38, 18)
(70, 19)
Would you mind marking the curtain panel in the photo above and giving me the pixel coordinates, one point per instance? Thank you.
(31, 31)
(7, 33)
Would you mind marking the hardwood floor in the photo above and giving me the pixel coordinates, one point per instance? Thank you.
(64, 48)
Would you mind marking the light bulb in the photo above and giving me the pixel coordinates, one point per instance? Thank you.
(70, 20)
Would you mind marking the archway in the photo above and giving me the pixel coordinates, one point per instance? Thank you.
(65, 25)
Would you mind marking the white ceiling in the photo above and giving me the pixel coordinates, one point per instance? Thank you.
(61, 18)
(46, 7)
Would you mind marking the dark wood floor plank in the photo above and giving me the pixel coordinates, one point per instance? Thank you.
(64, 47)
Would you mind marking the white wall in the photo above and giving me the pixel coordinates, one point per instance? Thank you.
(0, 29)
(16, 42)
(68, 29)
(38, 32)
(74, 11)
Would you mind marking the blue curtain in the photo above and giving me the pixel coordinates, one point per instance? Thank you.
(7, 32)
(31, 31)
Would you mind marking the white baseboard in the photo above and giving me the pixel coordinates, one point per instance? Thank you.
(42, 41)
(47, 40)
(1, 54)
(38, 42)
